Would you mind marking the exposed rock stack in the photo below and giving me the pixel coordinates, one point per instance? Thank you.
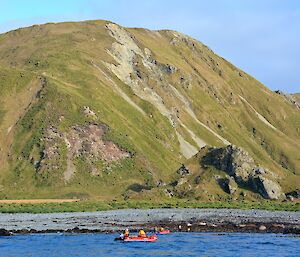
(242, 171)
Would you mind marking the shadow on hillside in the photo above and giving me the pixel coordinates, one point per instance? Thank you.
(138, 187)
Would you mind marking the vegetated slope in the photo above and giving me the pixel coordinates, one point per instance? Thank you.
(291, 98)
(297, 97)
(92, 109)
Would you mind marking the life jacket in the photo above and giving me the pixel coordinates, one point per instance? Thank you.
(126, 234)
(142, 233)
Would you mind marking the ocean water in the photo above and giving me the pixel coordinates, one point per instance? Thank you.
(174, 244)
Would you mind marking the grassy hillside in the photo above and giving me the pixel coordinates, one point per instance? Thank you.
(95, 110)
(297, 96)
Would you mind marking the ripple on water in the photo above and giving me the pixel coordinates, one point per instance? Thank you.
(174, 244)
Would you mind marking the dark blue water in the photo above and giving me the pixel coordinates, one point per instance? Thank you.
(174, 244)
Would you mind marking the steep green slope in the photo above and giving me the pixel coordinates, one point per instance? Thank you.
(92, 109)
(297, 96)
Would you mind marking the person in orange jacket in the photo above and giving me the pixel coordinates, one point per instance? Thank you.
(126, 233)
(142, 233)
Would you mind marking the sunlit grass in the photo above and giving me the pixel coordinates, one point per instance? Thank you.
(92, 206)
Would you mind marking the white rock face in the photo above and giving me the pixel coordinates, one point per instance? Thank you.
(118, 90)
(186, 148)
(262, 118)
(126, 52)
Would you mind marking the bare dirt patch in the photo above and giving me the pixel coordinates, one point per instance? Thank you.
(85, 141)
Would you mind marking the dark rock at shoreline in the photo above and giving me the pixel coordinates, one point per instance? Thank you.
(200, 220)
(4, 232)
(176, 227)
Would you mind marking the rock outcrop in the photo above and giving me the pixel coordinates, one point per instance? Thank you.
(88, 112)
(289, 98)
(228, 184)
(182, 171)
(266, 187)
(293, 195)
(233, 160)
(242, 171)
(85, 141)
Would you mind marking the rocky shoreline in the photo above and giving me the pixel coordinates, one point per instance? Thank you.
(194, 220)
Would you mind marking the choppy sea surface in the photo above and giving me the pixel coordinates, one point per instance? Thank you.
(174, 244)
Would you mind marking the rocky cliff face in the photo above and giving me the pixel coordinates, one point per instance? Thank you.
(290, 98)
(243, 171)
(97, 109)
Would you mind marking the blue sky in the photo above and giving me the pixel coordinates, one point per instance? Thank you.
(262, 37)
